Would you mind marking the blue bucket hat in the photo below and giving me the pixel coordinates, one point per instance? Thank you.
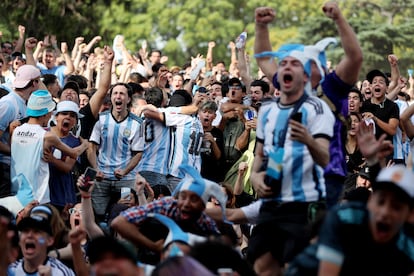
(40, 103)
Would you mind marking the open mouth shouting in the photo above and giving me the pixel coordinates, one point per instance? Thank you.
(287, 80)
(382, 231)
(377, 90)
(29, 247)
(66, 123)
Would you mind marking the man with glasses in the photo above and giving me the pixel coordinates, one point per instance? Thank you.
(13, 107)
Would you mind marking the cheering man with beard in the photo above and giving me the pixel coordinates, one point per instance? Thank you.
(117, 136)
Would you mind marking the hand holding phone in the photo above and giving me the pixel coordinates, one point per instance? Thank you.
(89, 175)
(297, 117)
(125, 193)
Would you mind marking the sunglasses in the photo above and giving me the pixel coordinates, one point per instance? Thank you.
(74, 210)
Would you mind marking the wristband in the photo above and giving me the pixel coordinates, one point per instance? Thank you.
(86, 197)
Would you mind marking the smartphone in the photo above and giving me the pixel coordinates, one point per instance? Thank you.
(297, 117)
(202, 89)
(249, 114)
(89, 175)
(125, 192)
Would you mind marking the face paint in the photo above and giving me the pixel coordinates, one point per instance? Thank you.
(41, 240)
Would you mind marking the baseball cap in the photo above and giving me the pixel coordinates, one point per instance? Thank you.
(364, 172)
(235, 81)
(377, 73)
(39, 218)
(70, 85)
(24, 75)
(104, 244)
(18, 55)
(40, 103)
(68, 106)
(397, 178)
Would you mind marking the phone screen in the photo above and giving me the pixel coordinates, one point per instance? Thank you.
(125, 192)
(90, 174)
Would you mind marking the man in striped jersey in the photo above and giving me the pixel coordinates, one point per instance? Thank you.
(293, 133)
(118, 137)
(186, 133)
(154, 163)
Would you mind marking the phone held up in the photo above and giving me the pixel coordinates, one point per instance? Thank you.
(89, 175)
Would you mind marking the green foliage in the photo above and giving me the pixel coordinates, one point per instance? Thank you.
(182, 28)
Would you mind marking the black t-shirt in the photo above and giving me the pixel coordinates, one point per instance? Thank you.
(385, 111)
(354, 161)
(87, 122)
(211, 168)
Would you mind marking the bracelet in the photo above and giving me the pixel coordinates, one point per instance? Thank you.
(86, 197)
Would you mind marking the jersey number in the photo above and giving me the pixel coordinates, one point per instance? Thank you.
(149, 132)
(195, 143)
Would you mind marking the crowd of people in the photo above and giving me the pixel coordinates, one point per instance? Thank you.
(114, 163)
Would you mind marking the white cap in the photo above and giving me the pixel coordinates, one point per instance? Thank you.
(68, 106)
(398, 175)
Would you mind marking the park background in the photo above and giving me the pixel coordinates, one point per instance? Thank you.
(183, 28)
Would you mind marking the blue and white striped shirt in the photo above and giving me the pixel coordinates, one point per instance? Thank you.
(117, 141)
(302, 177)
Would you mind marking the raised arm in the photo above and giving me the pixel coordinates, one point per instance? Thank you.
(29, 45)
(348, 68)
(406, 121)
(395, 72)
(209, 56)
(264, 16)
(89, 46)
(104, 82)
(76, 236)
(38, 51)
(233, 60)
(75, 49)
(88, 216)
(20, 40)
(244, 68)
(68, 61)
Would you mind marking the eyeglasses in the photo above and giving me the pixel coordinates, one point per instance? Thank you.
(7, 47)
(66, 113)
(74, 210)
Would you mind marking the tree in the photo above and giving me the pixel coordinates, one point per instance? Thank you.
(383, 27)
